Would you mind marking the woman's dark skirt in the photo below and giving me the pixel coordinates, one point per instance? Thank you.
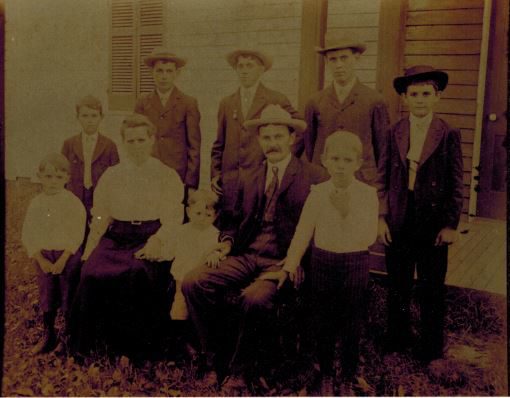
(121, 303)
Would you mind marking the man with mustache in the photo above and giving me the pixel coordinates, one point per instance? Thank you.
(346, 105)
(255, 239)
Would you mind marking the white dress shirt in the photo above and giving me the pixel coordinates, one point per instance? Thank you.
(189, 246)
(419, 128)
(54, 222)
(89, 144)
(164, 97)
(281, 166)
(130, 192)
(247, 95)
(321, 221)
(343, 91)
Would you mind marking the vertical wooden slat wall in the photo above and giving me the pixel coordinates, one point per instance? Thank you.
(447, 35)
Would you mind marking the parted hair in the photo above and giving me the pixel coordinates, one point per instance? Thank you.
(344, 138)
(90, 102)
(57, 160)
(204, 195)
(137, 120)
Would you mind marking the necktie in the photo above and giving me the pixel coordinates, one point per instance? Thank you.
(87, 154)
(271, 196)
(245, 103)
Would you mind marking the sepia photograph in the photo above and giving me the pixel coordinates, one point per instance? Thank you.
(254, 197)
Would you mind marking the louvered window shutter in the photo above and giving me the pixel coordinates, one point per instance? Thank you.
(136, 28)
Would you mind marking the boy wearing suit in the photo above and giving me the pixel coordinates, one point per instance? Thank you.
(175, 115)
(346, 105)
(421, 203)
(236, 149)
(89, 153)
(256, 239)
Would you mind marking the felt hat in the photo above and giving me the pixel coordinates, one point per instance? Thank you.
(275, 114)
(266, 59)
(339, 41)
(419, 73)
(163, 54)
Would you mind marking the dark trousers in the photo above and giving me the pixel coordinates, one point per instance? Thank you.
(339, 284)
(204, 290)
(58, 290)
(414, 246)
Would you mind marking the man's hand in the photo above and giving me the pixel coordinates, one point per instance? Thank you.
(383, 232)
(279, 276)
(446, 237)
(297, 277)
(340, 200)
(215, 185)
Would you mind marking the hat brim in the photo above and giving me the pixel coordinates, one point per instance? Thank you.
(358, 47)
(266, 60)
(402, 82)
(178, 61)
(295, 124)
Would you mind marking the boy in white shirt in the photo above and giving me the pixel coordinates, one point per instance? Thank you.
(52, 233)
(340, 217)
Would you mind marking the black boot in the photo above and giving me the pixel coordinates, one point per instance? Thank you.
(49, 340)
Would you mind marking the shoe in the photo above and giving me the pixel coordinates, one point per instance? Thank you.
(47, 344)
(327, 387)
(234, 385)
(346, 389)
(205, 370)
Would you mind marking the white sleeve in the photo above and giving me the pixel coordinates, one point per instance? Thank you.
(170, 204)
(29, 233)
(304, 232)
(363, 219)
(101, 216)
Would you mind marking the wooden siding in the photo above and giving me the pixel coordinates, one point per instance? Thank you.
(447, 35)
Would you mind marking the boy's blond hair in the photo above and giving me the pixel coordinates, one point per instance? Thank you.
(57, 160)
(210, 198)
(90, 102)
(344, 138)
(137, 120)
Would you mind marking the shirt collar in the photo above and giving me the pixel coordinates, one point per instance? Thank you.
(421, 122)
(164, 96)
(85, 137)
(343, 91)
(282, 166)
(349, 188)
(250, 91)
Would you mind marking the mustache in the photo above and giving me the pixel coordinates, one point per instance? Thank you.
(270, 150)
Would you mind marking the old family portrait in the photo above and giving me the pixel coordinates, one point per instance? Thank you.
(255, 197)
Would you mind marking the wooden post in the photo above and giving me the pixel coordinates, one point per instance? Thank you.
(311, 68)
(392, 22)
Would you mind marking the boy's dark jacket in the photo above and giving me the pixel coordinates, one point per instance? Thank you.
(105, 155)
(438, 188)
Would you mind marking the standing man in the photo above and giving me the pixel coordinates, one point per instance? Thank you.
(236, 149)
(175, 115)
(346, 105)
(256, 240)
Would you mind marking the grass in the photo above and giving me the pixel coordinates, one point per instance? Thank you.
(475, 364)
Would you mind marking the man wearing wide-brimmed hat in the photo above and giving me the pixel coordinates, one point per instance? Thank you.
(346, 104)
(175, 115)
(421, 204)
(270, 201)
(235, 149)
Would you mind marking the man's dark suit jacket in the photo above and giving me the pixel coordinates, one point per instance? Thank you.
(438, 187)
(237, 149)
(363, 112)
(105, 155)
(178, 132)
(292, 192)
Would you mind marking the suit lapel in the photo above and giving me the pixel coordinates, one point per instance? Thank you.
(402, 137)
(78, 147)
(155, 102)
(237, 108)
(259, 101)
(351, 97)
(289, 175)
(332, 98)
(99, 148)
(434, 137)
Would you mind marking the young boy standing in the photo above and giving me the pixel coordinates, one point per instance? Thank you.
(340, 217)
(52, 232)
(89, 153)
(420, 209)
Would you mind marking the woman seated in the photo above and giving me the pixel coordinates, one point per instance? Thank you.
(122, 295)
